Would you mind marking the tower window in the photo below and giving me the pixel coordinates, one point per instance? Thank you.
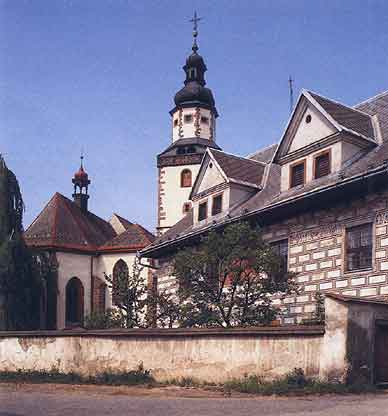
(204, 120)
(322, 165)
(192, 73)
(188, 118)
(186, 207)
(181, 150)
(191, 149)
(202, 211)
(297, 174)
(176, 121)
(217, 205)
(185, 178)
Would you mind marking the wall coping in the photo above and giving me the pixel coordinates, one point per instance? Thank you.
(355, 299)
(291, 330)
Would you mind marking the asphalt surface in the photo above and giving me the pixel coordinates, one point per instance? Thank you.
(97, 401)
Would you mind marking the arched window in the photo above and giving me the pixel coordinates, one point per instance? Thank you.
(185, 178)
(74, 302)
(120, 273)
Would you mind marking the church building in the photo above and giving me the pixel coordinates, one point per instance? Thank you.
(320, 194)
(83, 247)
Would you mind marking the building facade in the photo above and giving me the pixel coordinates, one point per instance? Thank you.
(320, 196)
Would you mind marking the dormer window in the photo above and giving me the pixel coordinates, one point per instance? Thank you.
(202, 211)
(297, 174)
(217, 205)
(188, 118)
(322, 165)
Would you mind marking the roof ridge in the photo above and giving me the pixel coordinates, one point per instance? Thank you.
(143, 230)
(339, 103)
(238, 157)
(41, 212)
(381, 94)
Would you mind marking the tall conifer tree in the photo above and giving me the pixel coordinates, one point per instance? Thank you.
(19, 285)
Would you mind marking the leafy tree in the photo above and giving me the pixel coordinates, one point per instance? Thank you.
(19, 285)
(229, 279)
(129, 291)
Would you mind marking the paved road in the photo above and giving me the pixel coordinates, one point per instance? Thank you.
(80, 402)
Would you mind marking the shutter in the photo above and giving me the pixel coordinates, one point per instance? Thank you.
(297, 175)
(322, 165)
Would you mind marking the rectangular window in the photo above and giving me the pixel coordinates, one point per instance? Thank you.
(359, 247)
(188, 118)
(281, 249)
(204, 120)
(202, 211)
(297, 174)
(217, 205)
(322, 165)
(176, 122)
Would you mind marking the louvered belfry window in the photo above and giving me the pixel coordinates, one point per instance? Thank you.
(359, 247)
(322, 165)
(297, 174)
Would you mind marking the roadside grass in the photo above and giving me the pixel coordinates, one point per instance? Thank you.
(293, 384)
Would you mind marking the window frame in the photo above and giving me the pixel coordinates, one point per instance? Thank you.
(320, 154)
(185, 205)
(203, 203)
(292, 166)
(183, 185)
(346, 248)
(220, 195)
(277, 243)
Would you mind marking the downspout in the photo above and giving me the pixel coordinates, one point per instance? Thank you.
(91, 284)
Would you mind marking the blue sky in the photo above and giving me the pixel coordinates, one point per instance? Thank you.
(101, 75)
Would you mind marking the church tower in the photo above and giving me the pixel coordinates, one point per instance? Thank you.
(193, 128)
(81, 183)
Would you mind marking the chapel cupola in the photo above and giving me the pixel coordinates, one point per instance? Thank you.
(195, 111)
(81, 183)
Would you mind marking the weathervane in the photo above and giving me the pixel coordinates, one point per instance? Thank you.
(195, 21)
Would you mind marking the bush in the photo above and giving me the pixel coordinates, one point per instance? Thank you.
(104, 320)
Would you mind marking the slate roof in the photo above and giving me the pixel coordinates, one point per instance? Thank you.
(264, 155)
(270, 197)
(347, 117)
(240, 169)
(63, 225)
(189, 141)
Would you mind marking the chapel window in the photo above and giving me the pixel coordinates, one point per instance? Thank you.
(202, 211)
(120, 272)
(280, 248)
(185, 178)
(297, 174)
(217, 205)
(322, 165)
(359, 247)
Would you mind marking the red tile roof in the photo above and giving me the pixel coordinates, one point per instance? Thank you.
(63, 225)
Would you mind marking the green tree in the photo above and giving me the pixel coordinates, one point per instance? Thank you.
(19, 285)
(229, 279)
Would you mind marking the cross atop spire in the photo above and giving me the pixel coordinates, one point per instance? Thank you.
(195, 21)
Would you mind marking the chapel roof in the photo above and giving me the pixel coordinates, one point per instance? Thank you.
(62, 225)
(366, 162)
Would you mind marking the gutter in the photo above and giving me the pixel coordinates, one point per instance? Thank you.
(382, 169)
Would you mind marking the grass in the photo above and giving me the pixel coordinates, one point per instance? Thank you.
(129, 378)
(294, 383)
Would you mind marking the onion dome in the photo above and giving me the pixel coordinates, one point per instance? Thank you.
(194, 91)
(81, 178)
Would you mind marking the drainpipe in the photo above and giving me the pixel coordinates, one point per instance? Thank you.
(91, 284)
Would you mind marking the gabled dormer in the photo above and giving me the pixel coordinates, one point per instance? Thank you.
(320, 137)
(223, 182)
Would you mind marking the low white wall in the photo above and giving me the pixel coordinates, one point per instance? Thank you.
(207, 355)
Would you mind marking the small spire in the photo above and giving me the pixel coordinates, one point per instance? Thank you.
(195, 21)
(82, 158)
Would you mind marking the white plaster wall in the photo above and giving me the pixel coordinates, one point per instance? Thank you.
(214, 358)
(307, 133)
(72, 265)
(189, 128)
(174, 196)
(336, 163)
(211, 177)
(105, 263)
